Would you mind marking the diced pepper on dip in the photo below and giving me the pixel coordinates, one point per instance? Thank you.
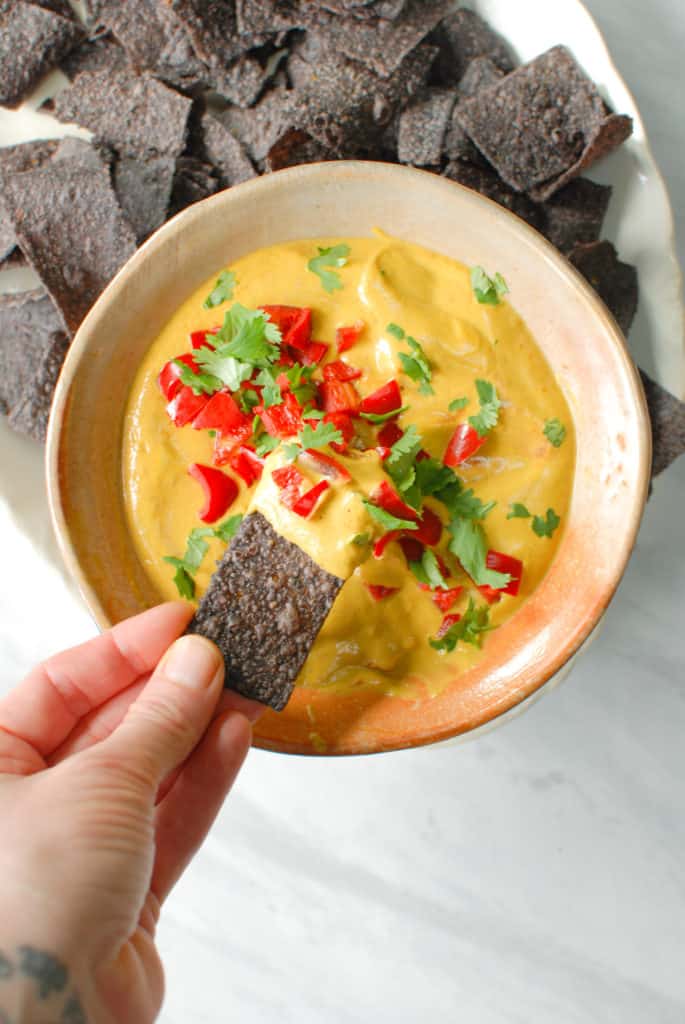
(403, 433)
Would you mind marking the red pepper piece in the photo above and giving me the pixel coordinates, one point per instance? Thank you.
(299, 334)
(383, 452)
(339, 396)
(430, 528)
(198, 339)
(289, 481)
(247, 464)
(378, 593)
(305, 505)
(345, 337)
(312, 353)
(412, 548)
(384, 400)
(464, 443)
(220, 491)
(382, 542)
(344, 424)
(283, 316)
(221, 413)
(447, 622)
(325, 465)
(389, 433)
(286, 358)
(185, 406)
(340, 370)
(506, 563)
(491, 595)
(386, 497)
(226, 444)
(169, 379)
(446, 599)
(282, 420)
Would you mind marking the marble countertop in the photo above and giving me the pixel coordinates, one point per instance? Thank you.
(533, 875)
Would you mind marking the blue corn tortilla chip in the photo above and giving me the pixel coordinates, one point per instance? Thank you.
(575, 214)
(264, 608)
(667, 417)
(463, 37)
(296, 147)
(422, 127)
(29, 326)
(615, 282)
(143, 188)
(31, 413)
(489, 184)
(194, 180)
(225, 152)
(14, 159)
(33, 40)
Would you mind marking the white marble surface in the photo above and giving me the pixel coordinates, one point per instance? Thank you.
(535, 875)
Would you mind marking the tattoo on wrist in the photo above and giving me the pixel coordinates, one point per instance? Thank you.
(50, 977)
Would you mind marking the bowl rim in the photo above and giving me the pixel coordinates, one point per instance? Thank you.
(344, 169)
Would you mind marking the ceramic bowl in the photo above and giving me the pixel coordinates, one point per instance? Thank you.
(578, 336)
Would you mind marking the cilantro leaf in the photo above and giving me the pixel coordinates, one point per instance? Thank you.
(185, 584)
(396, 331)
(266, 444)
(555, 432)
(227, 370)
(386, 519)
(466, 505)
(490, 405)
(469, 546)
(333, 256)
(488, 290)
(399, 465)
(361, 539)
(249, 336)
(196, 547)
(247, 399)
(222, 291)
(271, 392)
(200, 383)
(320, 435)
(518, 511)
(473, 623)
(433, 478)
(457, 404)
(226, 531)
(427, 571)
(545, 526)
(417, 367)
(383, 417)
(301, 384)
(312, 414)
(292, 451)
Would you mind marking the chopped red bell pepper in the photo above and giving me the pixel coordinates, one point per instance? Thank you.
(185, 406)
(386, 497)
(464, 443)
(344, 424)
(446, 624)
(383, 452)
(312, 353)
(446, 599)
(286, 358)
(382, 542)
(247, 464)
(282, 316)
(345, 337)
(389, 433)
(491, 595)
(198, 339)
(169, 379)
(299, 334)
(339, 396)
(289, 481)
(506, 563)
(226, 444)
(340, 370)
(282, 420)
(221, 413)
(384, 400)
(378, 593)
(220, 491)
(412, 548)
(325, 465)
(305, 505)
(430, 528)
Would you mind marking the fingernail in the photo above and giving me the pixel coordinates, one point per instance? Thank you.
(192, 661)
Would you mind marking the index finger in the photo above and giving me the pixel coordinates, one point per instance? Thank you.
(44, 708)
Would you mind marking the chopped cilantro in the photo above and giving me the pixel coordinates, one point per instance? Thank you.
(185, 584)
(490, 405)
(334, 256)
(427, 571)
(466, 505)
(396, 331)
(432, 477)
(361, 539)
(544, 526)
(227, 530)
(200, 383)
(417, 367)
(301, 384)
(313, 414)
(399, 465)
(518, 511)
(320, 435)
(473, 623)
(386, 519)
(555, 432)
(271, 392)
(292, 451)
(488, 290)
(457, 404)
(222, 291)
(196, 549)
(247, 399)
(469, 546)
(249, 336)
(225, 369)
(266, 444)
(383, 417)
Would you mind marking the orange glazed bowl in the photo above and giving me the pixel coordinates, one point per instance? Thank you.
(572, 327)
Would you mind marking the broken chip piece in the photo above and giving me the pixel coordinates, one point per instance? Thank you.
(615, 282)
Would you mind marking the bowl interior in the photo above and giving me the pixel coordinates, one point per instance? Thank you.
(572, 327)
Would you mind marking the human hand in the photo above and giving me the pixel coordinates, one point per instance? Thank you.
(113, 766)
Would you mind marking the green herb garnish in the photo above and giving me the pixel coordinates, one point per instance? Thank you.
(271, 392)
(457, 404)
(196, 549)
(555, 432)
(320, 435)
(417, 367)
(266, 444)
(473, 623)
(396, 331)
(490, 405)
(386, 519)
(227, 530)
(361, 539)
(488, 290)
(383, 417)
(200, 383)
(427, 571)
(222, 291)
(469, 546)
(333, 256)
(545, 526)
(518, 511)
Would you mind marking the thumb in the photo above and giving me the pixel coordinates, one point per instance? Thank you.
(165, 723)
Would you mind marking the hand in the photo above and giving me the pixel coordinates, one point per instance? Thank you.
(113, 766)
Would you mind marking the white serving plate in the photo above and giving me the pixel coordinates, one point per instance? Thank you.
(639, 222)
